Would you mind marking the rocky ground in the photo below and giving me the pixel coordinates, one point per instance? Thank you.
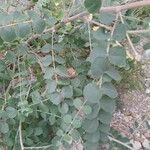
(133, 119)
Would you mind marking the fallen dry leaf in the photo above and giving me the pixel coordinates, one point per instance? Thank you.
(71, 72)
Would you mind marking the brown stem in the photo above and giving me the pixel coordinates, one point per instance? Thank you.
(111, 9)
(101, 25)
(126, 6)
(139, 31)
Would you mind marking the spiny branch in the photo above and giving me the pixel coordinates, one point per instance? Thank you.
(111, 9)
(125, 7)
(139, 31)
(121, 143)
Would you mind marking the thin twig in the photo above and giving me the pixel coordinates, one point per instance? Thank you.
(139, 31)
(16, 23)
(8, 89)
(101, 25)
(39, 61)
(49, 114)
(112, 32)
(134, 52)
(14, 147)
(40, 147)
(139, 126)
(29, 7)
(125, 6)
(121, 143)
(53, 58)
(20, 137)
(89, 31)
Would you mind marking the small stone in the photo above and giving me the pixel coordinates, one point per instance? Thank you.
(142, 138)
(147, 91)
(147, 134)
(77, 145)
(146, 55)
(137, 145)
(146, 144)
(138, 134)
(128, 118)
(148, 122)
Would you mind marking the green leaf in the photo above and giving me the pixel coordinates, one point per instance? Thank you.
(32, 14)
(46, 48)
(117, 56)
(75, 82)
(105, 128)
(3, 114)
(90, 126)
(95, 111)
(87, 109)
(77, 92)
(68, 139)
(99, 67)
(105, 117)
(67, 119)
(22, 49)
(12, 112)
(77, 123)
(2, 65)
(59, 60)
(36, 97)
(43, 107)
(75, 134)
(5, 18)
(107, 104)
(114, 74)
(49, 73)
(4, 128)
(23, 30)
(39, 25)
(62, 71)
(99, 50)
(47, 60)
(100, 35)
(19, 16)
(109, 90)
(104, 137)
(77, 103)
(1, 41)
(146, 46)
(64, 108)
(60, 132)
(136, 39)
(91, 146)
(56, 98)
(10, 56)
(38, 131)
(93, 137)
(120, 32)
(92, 6)
(51, 20)
(106, 18)
(28, 141)
(31, 59)
(8, 34)
(51, 86)
(91, 93)
(52, 120)
(67, 91)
